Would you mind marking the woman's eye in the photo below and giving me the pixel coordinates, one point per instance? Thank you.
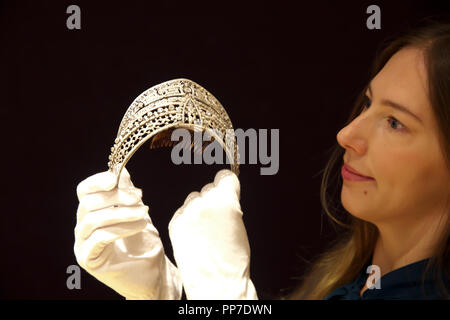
(394, 124)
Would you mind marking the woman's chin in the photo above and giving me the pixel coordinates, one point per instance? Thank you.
(359, 208)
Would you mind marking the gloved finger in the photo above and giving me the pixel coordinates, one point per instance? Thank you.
(224, 190)
(174, 218)
(107, 217)
(125, 179)
(103, 181)
(225, 187)
(105, 199)
(207, 188)
(191, 196)
(227, 180)
(93, 252)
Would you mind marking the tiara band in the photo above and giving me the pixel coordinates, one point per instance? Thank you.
(179, 103)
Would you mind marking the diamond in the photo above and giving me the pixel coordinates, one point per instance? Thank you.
(187, 90)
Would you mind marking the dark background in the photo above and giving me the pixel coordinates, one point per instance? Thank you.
(64, 92)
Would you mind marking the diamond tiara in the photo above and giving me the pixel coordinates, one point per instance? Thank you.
(155, 113)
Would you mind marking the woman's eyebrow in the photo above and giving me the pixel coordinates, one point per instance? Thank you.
(397, 106)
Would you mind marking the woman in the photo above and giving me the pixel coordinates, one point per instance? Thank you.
(398, 136)
(398, 144)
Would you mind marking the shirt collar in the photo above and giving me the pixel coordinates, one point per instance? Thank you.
(402, 283)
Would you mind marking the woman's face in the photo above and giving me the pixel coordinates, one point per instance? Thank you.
(400, 151)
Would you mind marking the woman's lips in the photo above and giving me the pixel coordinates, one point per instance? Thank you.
(349, 174)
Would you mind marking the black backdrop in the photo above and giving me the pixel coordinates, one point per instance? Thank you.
(64, 92)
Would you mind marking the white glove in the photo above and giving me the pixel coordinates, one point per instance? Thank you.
(210, 243)
(116, 242)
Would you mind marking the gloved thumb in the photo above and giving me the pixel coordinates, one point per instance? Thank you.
(125, 179)
(102, 181)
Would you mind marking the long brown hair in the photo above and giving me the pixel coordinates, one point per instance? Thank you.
(353, 250)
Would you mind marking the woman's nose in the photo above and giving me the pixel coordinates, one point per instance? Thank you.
(352, 136)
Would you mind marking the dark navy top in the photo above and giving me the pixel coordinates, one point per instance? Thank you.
(404, 283)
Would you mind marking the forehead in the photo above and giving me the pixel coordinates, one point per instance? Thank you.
(404, 80)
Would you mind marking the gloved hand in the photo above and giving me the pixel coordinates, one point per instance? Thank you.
(210, 243)
(117, 243)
